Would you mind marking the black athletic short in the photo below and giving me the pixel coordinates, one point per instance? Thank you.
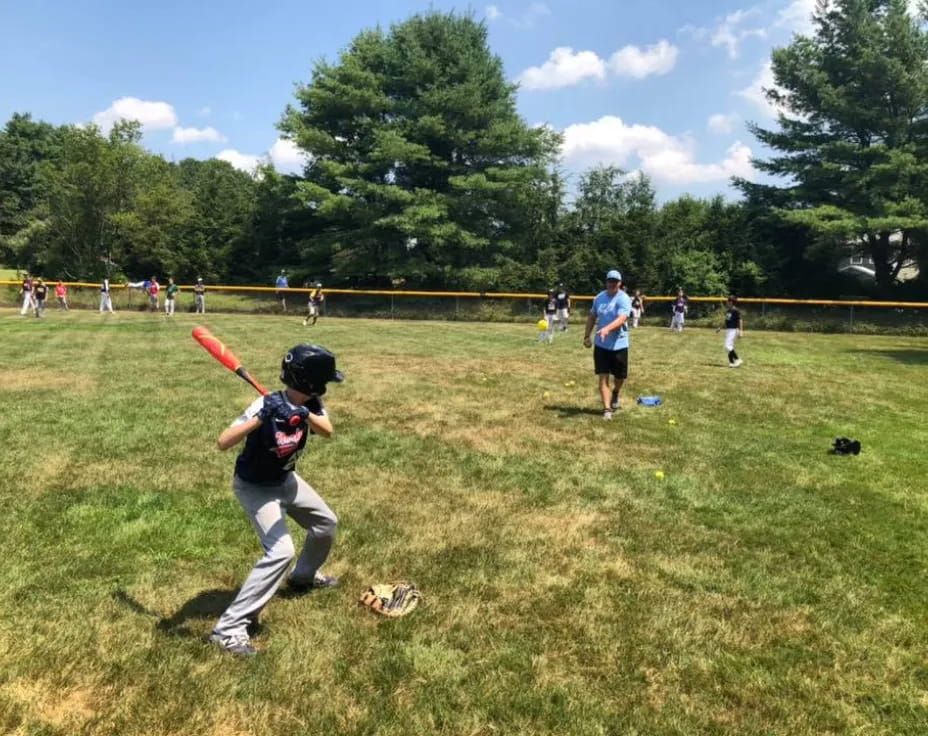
(613, 362)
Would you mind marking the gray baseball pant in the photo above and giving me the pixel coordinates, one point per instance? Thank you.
(266, 506)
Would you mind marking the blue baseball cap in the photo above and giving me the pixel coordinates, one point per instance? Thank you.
(613, 275)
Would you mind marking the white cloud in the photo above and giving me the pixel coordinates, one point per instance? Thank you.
(242, 161)
(286, 156)
(722, 124)
(666, 158)
(492, 13)
(728, 31)
(754, 92)
(197, 135)
(152, 115)
(205, 111)
(638, 63)
(566, 67)
(562, 69)
(797, 16)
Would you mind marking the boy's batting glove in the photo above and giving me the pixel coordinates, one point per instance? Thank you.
(392, 601)
(315, 405)
(274, 405)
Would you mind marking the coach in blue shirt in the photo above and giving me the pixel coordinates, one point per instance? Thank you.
(609, 313)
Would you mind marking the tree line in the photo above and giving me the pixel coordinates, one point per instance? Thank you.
(421, 173)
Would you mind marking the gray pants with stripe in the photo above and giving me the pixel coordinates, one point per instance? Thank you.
(266, 507)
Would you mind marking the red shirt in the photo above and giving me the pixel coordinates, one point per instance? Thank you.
(153, 289)
(60, 290)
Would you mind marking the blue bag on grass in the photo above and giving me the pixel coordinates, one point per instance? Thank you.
(650, 400)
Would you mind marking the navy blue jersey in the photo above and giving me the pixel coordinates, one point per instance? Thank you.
(732, 318)
(271, 451)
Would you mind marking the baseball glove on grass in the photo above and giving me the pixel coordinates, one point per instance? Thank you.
(391, 600)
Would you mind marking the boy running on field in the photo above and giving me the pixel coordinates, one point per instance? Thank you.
(563, 306)
(275, 429)
(314, 304)
(549, 316)
(734, 328)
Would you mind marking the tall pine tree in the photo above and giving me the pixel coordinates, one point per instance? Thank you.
(853, 130)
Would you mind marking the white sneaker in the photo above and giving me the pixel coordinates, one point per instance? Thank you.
(607, 415)
(737, 363)
(238, 644)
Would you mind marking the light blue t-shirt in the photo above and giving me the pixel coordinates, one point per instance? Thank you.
(607, 309)
(282, 282)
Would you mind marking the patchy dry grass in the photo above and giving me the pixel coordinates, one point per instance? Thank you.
(761, 587)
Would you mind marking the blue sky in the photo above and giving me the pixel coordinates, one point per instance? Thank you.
(663, 86)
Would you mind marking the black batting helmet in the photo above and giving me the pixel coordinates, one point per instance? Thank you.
(308, 368)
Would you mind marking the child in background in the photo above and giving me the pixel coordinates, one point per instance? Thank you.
(39, 295)
(169, 296)
(734, 328)
(680, 307)
(637, 307)
(549, 317)
(25, 292)
(199, 296)
(61, 293)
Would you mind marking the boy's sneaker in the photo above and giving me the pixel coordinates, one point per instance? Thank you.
(614, 404)
(736, 363)
(607, 415)
(319, 582)
(237, 644)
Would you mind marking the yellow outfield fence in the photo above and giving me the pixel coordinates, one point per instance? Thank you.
(829, 315)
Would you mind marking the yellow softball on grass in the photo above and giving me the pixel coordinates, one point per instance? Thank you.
(547, 394)
(659, 474)
(671, 421)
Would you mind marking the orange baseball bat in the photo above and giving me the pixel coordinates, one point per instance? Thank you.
(215, 347)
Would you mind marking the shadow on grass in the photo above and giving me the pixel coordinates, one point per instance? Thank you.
(207, 604)
(573, 411)
(908, 357)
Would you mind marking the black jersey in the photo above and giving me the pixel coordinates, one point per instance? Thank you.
(636, 302)
(41, 291)
(732, 318)
(270, 451)
(563, 300)
(551, 305)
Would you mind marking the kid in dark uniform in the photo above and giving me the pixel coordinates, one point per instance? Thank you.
(26, 293)
(39, 295)
(275, 429)
(680, 308)
(734, 328)
(549, 316)
(563, 306)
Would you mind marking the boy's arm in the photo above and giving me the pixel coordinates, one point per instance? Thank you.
(235, 433)
(318, 418)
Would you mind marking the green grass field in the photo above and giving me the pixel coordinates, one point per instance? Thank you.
(762, 586)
